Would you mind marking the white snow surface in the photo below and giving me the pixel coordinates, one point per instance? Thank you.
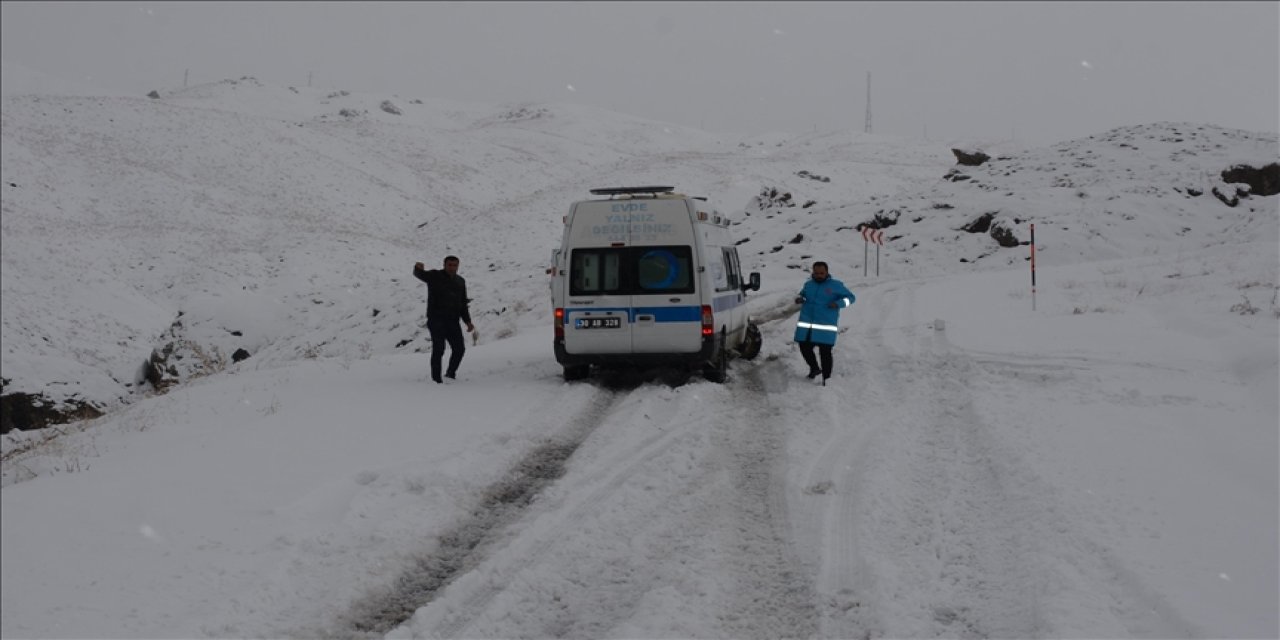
(1096, 460)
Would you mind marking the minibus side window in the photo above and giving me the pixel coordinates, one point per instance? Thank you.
(727, 276)
(735, 269)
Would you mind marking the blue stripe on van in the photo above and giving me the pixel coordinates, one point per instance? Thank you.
(669, 314)
(660, 314)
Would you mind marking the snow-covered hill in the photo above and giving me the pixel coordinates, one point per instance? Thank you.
(973, 473)
(238, 207)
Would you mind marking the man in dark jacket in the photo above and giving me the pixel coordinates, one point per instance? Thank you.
(446, 305)
(822, 298)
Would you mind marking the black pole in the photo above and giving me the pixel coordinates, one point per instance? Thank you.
(1033, 267)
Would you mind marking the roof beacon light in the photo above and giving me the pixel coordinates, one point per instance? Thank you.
(621, 191)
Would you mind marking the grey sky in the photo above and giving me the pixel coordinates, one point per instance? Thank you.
(1038, 71)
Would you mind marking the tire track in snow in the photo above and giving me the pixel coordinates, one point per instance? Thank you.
(775, 589)
(600, 482)
(467, 543)
(937, 527)
(840, 492)
(684, 527)
(918, 541)
(962, 550)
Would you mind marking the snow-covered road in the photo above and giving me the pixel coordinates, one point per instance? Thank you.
(897, 501)
(672, 508)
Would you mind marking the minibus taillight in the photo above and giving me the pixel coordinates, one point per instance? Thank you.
(559, 320)
(708, 321)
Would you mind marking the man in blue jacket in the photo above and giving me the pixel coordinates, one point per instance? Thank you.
(822, 298)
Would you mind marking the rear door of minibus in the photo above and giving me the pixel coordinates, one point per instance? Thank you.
(664, 297)
(597, 311)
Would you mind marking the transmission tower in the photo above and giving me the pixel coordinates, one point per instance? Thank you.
(867, 127)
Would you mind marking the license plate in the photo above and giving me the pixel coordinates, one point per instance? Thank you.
(611, 322)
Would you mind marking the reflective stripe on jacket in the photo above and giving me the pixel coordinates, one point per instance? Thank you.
(819, 323)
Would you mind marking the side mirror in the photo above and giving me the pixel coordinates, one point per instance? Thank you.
(753, 282)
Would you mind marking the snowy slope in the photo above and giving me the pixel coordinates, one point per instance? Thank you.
(1103, 465)
(366, 192)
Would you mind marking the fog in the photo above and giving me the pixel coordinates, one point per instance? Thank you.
(1035, 72)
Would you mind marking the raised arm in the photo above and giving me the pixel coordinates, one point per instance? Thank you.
(420, 273)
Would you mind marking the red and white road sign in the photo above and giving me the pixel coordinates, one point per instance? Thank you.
(873, 235)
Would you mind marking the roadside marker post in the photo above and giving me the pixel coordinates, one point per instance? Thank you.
(1033, 266)
(869, 236)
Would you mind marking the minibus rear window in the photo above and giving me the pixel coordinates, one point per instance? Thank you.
(663, 270)
(595, 271)
(631, 270)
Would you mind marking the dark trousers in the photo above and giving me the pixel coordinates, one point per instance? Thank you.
(445, 330)
(824, 350)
